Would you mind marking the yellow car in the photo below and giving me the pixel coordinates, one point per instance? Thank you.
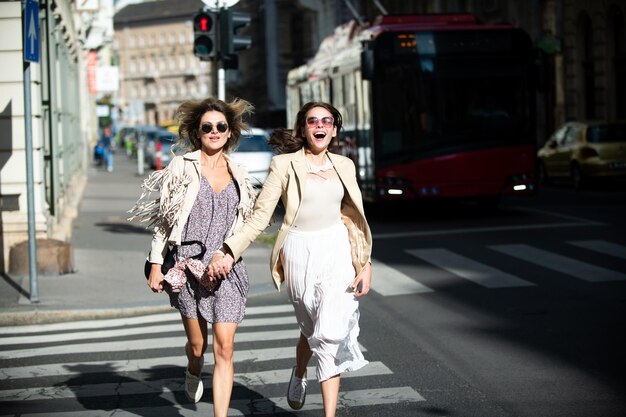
(582, 151)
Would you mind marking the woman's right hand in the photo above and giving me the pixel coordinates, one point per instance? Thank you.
(155, 280)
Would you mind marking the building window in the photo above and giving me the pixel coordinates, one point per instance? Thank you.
(586, 31)
(616, 17)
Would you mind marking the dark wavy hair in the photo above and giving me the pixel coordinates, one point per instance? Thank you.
(292, 140)
(189, 114)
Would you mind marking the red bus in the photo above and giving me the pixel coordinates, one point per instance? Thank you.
(434, 106)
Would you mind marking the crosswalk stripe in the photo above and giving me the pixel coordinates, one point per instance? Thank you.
(389, 281)
(136, 365)
(128, 345)
(129, 321)
(136, 387)
(560, 263)
(470, 230)
(601, 246)
(163, 328)
(469, 269)
(257, 406)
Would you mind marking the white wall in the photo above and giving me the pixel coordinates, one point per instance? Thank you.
(13, 196)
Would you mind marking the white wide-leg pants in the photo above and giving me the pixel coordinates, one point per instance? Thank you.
(318, 272)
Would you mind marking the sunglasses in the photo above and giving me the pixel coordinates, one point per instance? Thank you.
(314, 121)
(220, 126)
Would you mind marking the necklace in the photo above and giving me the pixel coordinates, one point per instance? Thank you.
(316, 169)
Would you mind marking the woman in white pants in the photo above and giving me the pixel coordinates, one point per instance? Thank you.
(322, 250)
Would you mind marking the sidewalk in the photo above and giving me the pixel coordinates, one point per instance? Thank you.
(109, 254)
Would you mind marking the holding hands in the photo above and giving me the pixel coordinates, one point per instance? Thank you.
(220, 266)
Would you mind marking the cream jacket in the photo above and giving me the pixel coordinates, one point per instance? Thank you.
(189, 164)
(286, 180)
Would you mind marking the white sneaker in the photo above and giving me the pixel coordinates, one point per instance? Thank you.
(296, 393)
(193, 384)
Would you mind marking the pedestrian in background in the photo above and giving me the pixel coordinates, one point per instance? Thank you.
(322, 250)
(106, 141)
(204, 197)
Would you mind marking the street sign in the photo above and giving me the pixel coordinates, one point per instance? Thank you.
(31, 31)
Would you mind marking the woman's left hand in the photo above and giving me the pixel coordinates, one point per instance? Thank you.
(213, 270)
(363, 281)
(220, 266)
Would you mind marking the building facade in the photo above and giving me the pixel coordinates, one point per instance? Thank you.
(158, 70)
(61, 121)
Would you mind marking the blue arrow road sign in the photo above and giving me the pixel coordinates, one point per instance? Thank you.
(31, 31)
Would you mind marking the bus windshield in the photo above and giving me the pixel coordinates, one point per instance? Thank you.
(440, 102)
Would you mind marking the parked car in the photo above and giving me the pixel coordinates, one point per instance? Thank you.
(144, 135)
(255, 154)
(163, 138)
(582, 151)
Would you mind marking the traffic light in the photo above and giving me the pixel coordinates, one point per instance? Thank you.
(204, 46)
(230, 23)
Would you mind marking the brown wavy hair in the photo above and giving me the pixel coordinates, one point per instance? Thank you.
(189, 114)
(292, 140)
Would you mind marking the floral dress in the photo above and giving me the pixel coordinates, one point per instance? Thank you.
(210, 220)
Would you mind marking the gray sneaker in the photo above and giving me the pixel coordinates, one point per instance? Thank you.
(193, 384)
(296, 393)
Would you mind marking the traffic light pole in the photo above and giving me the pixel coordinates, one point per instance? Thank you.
(216, 40)
(219, 60)
(221, 81)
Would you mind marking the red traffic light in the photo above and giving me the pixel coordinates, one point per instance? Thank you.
(203, 22)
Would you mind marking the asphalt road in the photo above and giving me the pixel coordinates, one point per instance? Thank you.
(526, 310)
(518, 312)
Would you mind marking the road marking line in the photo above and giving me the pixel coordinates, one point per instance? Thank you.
(128, 345)
(135, 331)
(469, 269)
(136, 365)
(146, 319)
(469, 230)
(560, 215)
(129, 386)
(139, 365)
(560, 263)
(602, 246)
(389, 281)
(258, 406)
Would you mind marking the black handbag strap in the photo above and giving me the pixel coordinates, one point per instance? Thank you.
(195, 242)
